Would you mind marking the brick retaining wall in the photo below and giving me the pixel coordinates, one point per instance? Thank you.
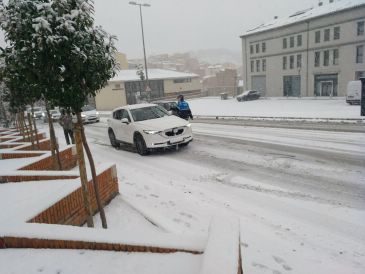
(30, 178)
(19, 242)
(70, 210)
(10, 155)
(68, 160)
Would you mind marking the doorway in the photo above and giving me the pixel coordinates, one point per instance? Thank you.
(326, 88)
(325, 85)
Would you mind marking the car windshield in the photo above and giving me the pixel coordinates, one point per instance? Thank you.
(148, 113)
(87, 108)
(53, 111)
(37, 109)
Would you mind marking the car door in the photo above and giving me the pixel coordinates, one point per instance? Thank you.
(126, 129)
(115, 122)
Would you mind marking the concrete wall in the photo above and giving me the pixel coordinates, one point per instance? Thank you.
(171, 87)
(346, 68)
(111, 97)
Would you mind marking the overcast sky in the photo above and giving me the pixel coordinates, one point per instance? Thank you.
(183, 25)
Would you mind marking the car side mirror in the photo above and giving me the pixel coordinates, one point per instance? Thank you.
(124, 121)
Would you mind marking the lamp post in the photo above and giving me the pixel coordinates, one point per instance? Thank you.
(147, 88)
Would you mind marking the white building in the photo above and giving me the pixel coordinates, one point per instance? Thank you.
(314, 52)
(126, 87)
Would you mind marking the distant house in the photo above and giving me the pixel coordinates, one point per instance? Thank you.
(314, 52)
(223, 81)
(127, 88)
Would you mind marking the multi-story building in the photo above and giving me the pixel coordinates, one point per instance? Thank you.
(314, 52)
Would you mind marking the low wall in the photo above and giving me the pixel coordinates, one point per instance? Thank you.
(31, 178)
(40, 136)
(44, 144)
(70, 210)
(10, 155)
(19, 242)
(68, 161)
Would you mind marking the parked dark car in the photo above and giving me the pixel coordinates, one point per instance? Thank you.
(170, 106)
(248, 95)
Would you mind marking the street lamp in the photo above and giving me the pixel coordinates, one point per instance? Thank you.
(147, 88)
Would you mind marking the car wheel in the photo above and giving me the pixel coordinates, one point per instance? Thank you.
(113, 140)
(239, 99)
(140, 145)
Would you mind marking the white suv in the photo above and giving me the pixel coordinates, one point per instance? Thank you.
(147, 126)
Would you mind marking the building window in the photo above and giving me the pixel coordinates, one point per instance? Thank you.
(257, 48)
(359, 54)
(317, 58)
(291, 61)
(182, 80)
(335, 57)
(360, 28)
(285, 43)
(117, 87)
(326, 58)
(299, 40)
(258, 65)
(336, 33)
(292, 42)
(318, 36)
(263, 47)
(264, 65)
(284, 62)
(252, 66)
(327, 35)
(299, 61)
(251, 49)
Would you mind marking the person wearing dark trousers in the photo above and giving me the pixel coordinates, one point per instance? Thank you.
(66, 123)
(184, 111)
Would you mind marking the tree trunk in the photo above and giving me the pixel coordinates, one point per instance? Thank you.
(35, 129)
(95, 179)
(82, 169)
(25, 126)
(31, 129)
(21, 126)
(54, 146)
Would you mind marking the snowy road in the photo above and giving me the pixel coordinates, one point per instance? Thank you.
(300, 194)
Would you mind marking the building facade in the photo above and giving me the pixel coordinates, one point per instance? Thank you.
(223, 81)
(127, 87)
(314, 52)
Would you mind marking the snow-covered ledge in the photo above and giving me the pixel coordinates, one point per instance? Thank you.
(222, 253)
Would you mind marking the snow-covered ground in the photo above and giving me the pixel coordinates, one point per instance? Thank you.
(299, 194)
(276, 107)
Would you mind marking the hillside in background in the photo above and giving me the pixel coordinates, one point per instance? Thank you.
(217, 56)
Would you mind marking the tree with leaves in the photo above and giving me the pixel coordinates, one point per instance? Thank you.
(69, 59)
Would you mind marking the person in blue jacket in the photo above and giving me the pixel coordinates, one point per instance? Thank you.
(184, 111)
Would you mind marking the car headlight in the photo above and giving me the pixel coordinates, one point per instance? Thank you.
(188, 125)
(151, 131)
(83, 115)
(97, 114)
(43, 114)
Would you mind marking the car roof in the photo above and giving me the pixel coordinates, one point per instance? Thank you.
(164, 102)
(135, 106)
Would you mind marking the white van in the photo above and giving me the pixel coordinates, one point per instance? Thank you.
(353, 95)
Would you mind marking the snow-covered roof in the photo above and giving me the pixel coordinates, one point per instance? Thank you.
(153, 74)
(310, 13)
